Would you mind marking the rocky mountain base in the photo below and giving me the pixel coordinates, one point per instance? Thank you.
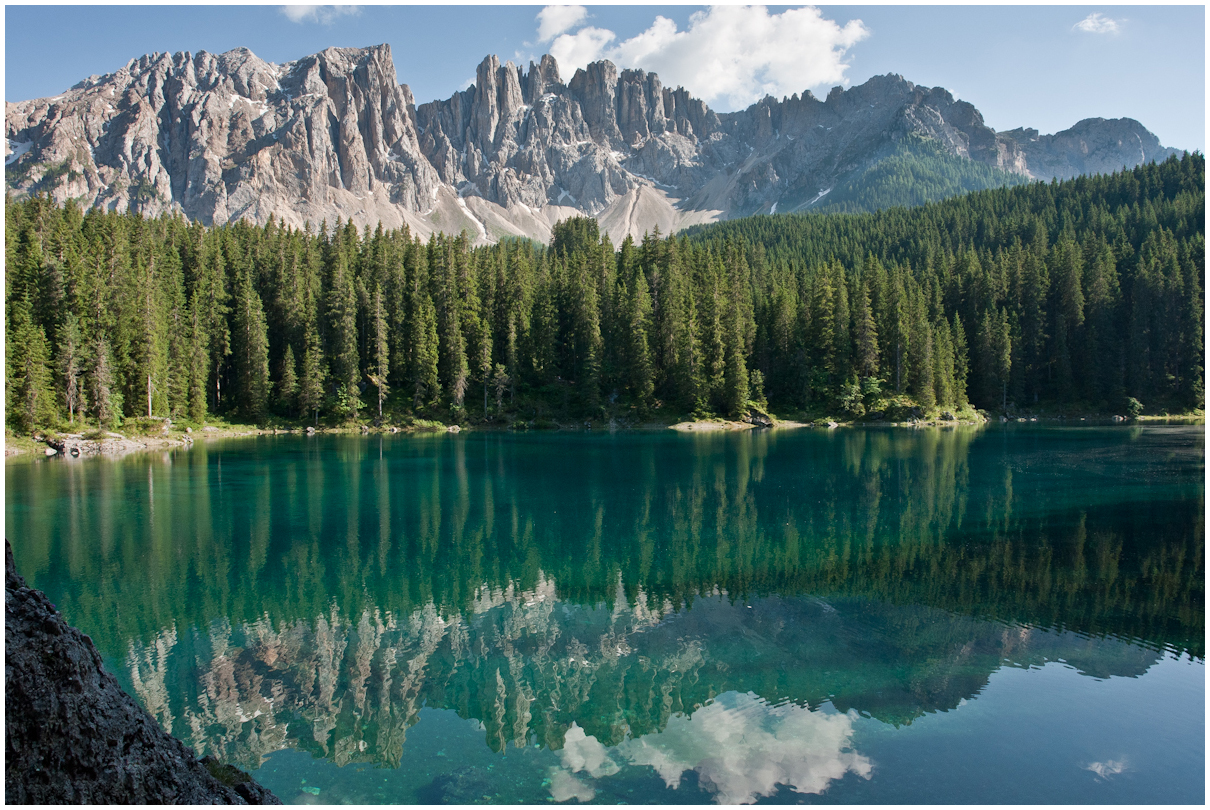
(72, 736)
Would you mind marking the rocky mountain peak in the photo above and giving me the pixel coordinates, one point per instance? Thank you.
(334, 135)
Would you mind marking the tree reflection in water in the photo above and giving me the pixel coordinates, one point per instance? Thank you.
(638, 599)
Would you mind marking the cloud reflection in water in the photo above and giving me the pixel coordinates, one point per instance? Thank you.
(741, 747)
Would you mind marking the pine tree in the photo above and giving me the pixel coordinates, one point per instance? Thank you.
(1068, 309)
(995, 350)
(842, 338)
(920, 360)
(865, 334)
(198, 354)
(69, 364)
(210, 299)
(543, 331)
(29, 392)
(501, 381)
(426, 387)
(961, 363)
(641, 376)
(735, 385)
(311, 386)
(341, 314)
(381, 350)
(1086, 291)
(453, 367)
(713, 340)
(252, 349)
(106, 400)
(287, 386)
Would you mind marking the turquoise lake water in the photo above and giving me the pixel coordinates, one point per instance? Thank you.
(1007, 614)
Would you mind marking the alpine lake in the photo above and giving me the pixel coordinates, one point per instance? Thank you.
(1013, 613)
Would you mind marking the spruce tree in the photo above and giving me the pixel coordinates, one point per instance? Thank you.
(735, 385)
(287, 385)
(641, 376)
(69, 364)
(341, 315)
(252, 349)
(314, 375)
(381, 349)
(865, 334)
(29, 393)
(106, 399)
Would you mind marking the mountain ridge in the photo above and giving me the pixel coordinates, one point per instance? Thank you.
(334, 134)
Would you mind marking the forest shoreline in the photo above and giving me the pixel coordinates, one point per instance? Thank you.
(119, 445)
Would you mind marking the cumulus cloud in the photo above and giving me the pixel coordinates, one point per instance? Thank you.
(555, 20)
(565, 786)
(729, 54)
(320, 14)
(741, 747)
(1096, 23)
(582, 752)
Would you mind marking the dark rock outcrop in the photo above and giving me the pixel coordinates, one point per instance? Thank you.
(72, 736)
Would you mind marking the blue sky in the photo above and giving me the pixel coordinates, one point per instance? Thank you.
(1040, 66)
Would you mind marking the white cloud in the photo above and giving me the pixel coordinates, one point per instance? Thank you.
(733, 54)
(564, 786)
(741, 747)
(1096, 23)
(555, 20)
(1107, 769)
(576, 50)
(582, 752)
(321, 14)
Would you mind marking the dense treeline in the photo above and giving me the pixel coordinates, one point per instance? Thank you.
(1087, 291)
(113, 314)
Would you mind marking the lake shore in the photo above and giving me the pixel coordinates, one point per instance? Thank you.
(113, 444)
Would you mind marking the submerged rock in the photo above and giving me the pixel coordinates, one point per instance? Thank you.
(465, 785)
(71, 735)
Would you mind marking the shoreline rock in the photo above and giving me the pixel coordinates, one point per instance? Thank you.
(73, 736)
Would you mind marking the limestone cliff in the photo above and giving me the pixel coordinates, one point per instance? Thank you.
(334, 135)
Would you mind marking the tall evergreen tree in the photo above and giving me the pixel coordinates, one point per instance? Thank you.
(70, 366)
(252, 349)
(382, 353)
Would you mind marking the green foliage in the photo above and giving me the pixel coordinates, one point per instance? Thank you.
(917, 171)
(1134, 408)
(1080, 293)
(1040, 293)
(28, 393)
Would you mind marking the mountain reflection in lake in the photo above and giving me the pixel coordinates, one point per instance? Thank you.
(635, 617)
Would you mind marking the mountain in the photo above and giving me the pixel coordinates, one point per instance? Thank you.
(334, 134)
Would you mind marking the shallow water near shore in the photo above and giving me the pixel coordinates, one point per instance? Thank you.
(1012, 613)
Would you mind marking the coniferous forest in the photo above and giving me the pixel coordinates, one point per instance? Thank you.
(1082, 296)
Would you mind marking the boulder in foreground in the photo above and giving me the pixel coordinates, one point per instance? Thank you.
(73, 736)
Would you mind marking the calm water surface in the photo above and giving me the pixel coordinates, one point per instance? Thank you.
(1013, 614)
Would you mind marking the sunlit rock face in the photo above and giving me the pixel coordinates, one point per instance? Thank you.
(334, 135)
(230, 137)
